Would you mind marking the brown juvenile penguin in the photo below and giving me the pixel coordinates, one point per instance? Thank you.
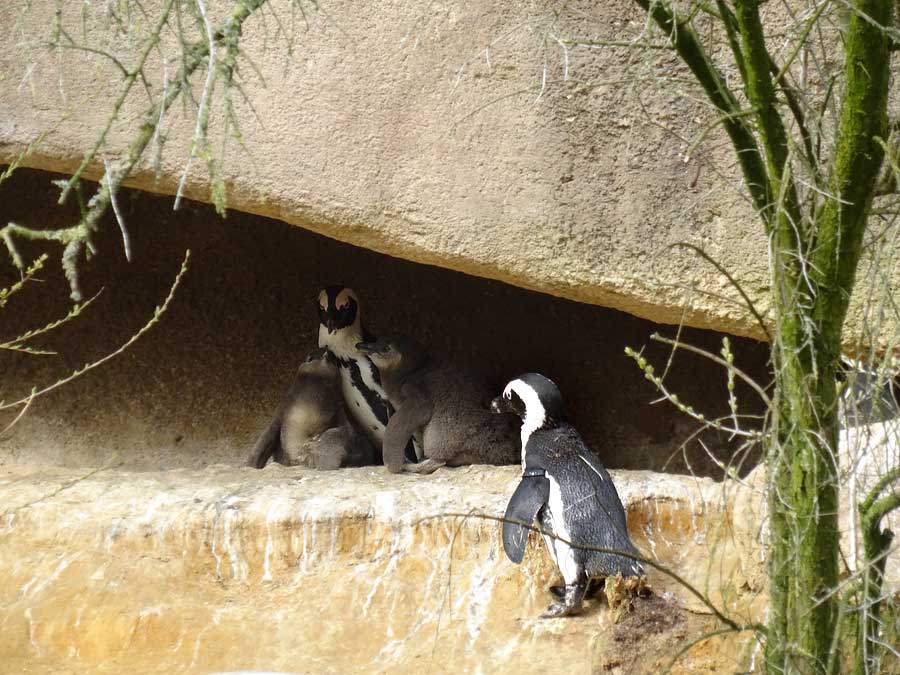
(311, 427)
(444, 405)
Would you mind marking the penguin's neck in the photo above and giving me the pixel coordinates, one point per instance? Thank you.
(535, 418)
(342, 342)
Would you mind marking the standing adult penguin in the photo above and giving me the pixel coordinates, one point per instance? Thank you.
(566, 488)
(340, 330)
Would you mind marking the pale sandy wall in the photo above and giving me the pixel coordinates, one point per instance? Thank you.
(343, 572)
(423, 131)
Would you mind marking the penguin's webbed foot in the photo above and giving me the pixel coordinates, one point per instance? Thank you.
(572, 596)
(594, 586)
(424, 467)
(560, 609)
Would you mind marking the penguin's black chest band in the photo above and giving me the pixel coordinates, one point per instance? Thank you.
(533, 473)
(381, 408)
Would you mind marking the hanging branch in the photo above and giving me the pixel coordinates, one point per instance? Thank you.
(695, 56)
(157, 315)
(76, 238)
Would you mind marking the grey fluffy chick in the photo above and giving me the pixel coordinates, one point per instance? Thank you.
(311, 427)
(443, 405)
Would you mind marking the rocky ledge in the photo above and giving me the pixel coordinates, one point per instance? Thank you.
(349, 571)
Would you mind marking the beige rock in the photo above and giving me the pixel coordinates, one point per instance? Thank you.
(456, 135)
(352, 571)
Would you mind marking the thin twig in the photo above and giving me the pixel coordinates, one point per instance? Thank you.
(158, 312)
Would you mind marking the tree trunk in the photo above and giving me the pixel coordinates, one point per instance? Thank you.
(813, 280)
(815, 250)
(803, 500)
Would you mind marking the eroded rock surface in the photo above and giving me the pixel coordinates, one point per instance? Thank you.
(468, 135)
(354, 571)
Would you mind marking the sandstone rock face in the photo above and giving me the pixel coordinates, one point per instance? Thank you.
(353, 571)
(461, 134)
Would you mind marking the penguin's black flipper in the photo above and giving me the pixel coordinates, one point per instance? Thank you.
(531, 494)
(611, 504)
(406, 421)
(268, 444)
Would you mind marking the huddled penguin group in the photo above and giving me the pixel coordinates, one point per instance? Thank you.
(360, 400)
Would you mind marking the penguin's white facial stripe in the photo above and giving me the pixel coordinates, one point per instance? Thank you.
(535, 415)
(323, 301)
(343, 339)
(342, 301)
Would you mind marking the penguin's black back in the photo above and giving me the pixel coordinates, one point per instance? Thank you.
(592, 511)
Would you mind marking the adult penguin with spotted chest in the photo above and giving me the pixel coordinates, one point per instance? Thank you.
(566, 488)
(340, 330)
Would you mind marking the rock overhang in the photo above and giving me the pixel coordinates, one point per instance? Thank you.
(433, 140)
(204, 381)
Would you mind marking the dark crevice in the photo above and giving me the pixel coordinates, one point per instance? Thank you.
(200, 387)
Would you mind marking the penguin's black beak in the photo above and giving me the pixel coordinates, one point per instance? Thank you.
(500, 405)
(331, 325)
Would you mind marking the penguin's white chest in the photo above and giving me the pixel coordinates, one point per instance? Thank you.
(555, 520)
(360, 409)
(360, 384)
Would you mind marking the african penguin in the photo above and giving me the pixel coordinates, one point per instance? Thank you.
(566, 488)
(443, 404)
(311, 427)
(340, 330)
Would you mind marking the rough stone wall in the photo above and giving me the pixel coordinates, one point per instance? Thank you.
(462, 134)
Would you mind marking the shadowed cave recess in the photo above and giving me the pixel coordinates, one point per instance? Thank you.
(199, 387)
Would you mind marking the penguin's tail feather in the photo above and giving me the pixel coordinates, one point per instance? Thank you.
(629, 567)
